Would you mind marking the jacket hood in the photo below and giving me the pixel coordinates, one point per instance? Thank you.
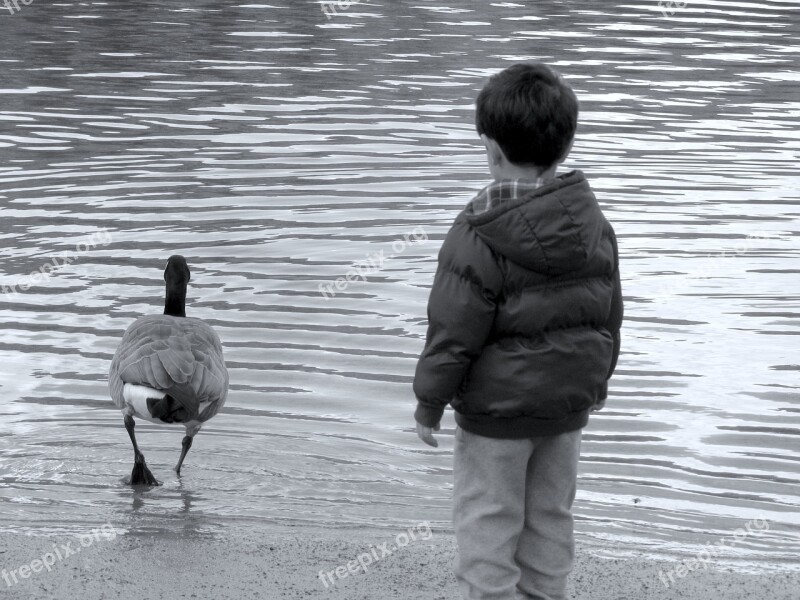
(552, 230)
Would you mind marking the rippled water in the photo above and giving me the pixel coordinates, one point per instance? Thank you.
(276, 149)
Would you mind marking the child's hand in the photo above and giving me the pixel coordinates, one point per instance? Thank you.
(426, 434)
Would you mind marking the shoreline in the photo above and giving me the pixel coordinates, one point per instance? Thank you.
(266, 561)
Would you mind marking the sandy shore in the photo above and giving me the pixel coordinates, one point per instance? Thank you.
(261, 562)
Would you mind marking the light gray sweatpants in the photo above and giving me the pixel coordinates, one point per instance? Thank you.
(512, 515)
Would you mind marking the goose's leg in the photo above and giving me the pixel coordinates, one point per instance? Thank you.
(186, 444)
(192, 427)
(140, 475)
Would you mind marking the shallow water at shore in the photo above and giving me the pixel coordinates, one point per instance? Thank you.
(278, 149)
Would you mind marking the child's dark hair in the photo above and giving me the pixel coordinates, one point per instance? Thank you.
(530, 111)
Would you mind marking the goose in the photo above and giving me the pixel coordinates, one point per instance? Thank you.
(168, 369)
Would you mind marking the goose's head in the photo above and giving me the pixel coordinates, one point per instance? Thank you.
(177, 276)
(177, 271)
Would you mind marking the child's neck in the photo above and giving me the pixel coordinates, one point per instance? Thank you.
(512, 171)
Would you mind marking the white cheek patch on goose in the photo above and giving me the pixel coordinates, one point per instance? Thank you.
(136, 397)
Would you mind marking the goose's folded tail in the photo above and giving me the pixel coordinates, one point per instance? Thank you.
(154, 404)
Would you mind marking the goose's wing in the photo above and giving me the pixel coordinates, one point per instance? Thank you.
(180, 356)
(209, 380)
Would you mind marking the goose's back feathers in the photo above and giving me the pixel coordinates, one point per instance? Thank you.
(178, 355)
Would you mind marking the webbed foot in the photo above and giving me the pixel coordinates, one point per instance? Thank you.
(141, 475)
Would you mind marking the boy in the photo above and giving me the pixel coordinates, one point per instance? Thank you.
(523, 335)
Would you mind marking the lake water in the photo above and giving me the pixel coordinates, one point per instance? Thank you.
(277, 149)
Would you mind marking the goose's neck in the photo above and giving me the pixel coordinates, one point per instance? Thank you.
(175, 303)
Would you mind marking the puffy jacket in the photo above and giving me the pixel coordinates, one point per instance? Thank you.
(524, 315)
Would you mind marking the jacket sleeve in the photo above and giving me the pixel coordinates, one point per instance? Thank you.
(461, 311)
(614, 321)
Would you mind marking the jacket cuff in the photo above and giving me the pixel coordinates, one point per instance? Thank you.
(428, 416)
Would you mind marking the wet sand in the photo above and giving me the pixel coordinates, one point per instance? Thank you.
(262, 562)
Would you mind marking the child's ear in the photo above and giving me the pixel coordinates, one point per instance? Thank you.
(494, 154)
